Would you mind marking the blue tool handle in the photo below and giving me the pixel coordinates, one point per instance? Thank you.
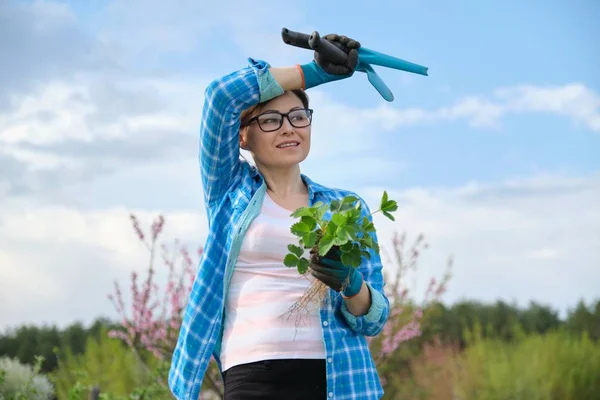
(377, 82)
(327, 49)
(295, 38)
(368, 56)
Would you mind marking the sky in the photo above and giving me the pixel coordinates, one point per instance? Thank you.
(493, 156)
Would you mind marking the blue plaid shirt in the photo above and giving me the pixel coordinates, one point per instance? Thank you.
(233, 194)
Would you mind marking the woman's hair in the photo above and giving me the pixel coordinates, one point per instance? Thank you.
(250, 112)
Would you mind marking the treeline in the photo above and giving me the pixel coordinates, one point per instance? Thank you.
(476, 351)
(498, 320)
(450, 324)
(27, 342)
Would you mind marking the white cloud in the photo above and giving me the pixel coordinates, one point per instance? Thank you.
(69, 131)
(93, 109)
(147, 28)
(45, 41)
(574, 101)
(527, 238)
(61, 263)
(545, 253)
(532, 238)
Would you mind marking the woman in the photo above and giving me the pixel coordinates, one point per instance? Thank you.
(242, 287)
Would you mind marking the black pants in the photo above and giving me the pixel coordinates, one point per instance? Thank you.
(276, 380)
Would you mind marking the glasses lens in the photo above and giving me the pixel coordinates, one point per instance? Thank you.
(300, 118)
(270, 121)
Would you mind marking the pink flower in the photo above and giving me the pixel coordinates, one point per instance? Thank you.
(155, 318)
(404, 322)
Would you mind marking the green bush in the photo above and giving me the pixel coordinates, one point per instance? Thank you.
(554, 366)
(106, 364)
(23, 382)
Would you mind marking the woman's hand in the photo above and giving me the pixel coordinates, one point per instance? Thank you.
(330, 270)
(348, 46)
(322, 70)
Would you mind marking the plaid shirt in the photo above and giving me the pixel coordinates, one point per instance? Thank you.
(233, 194)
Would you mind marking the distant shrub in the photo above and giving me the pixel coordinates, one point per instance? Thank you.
(106, 364)
(557, 365)
(23, 382)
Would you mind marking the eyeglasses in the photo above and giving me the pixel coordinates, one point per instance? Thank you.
(272, 120)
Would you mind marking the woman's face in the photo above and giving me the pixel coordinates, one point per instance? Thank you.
(285, 146)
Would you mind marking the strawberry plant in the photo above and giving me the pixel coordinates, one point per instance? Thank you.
(346, 228)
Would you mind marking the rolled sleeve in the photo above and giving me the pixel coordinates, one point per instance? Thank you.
(372, 322)
(269, 88)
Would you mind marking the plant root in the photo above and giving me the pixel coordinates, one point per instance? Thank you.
(316, 294)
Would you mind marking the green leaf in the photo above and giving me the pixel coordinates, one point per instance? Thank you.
(300, 229)
(346, 233)
(290, 260)
(330, 229)
(339, 219)
(353, 230)
(366, 254)
(367, 225)
(310, 239)
(326, 244)
(352, 258)
(348, 203)
(384, 198)
(335, 206)
(303, 265)
(389, 206)
(353, 215)
(320, 210)
(347, 247)
(297, 250)
(339, 241)
(367, 241)
(390, 216)
(303, 212)
(309, 221)
(349, 199)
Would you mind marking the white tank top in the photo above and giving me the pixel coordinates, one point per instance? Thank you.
(262, 291)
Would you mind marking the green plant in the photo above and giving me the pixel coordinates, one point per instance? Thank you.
(23, 382)
(151, 389)
(348, 228)
(555, 365)
(107, 364)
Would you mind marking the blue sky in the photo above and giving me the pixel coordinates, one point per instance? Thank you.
(471, 48)
(493, 156)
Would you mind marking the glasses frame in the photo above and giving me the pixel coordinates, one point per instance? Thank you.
(309, 111)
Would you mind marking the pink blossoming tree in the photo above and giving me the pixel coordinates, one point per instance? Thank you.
(405, 319)
(155, 318)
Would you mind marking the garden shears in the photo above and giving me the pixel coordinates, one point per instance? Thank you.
(366, 58)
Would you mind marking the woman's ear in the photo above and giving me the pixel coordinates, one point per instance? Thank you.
(243, 143)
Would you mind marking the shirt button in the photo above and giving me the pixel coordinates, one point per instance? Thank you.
(330, 394)
(329, 359)
(325, 323)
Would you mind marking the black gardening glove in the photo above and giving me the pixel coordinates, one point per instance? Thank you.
(330, 270)
(322, 70)
(348, 46)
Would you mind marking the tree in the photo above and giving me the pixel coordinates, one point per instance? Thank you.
(152, 326)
